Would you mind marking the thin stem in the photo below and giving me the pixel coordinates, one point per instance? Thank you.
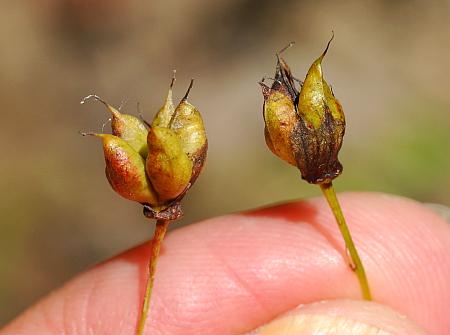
(160, 231)
(356, 265)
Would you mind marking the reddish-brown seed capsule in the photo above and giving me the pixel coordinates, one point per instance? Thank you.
(125, 170)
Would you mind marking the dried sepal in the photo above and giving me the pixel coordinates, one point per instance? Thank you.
(171, 212)
(316, 150)
(284, 79)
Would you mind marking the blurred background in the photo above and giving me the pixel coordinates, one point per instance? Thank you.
(388, 65)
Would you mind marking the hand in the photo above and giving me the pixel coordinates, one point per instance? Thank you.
(232, 274)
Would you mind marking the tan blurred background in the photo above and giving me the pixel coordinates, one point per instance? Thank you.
(389, 66)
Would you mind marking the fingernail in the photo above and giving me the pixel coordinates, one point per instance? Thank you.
(442, 210)
(339, 317)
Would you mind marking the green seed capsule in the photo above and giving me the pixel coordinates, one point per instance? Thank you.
(280, 116)
(125, 170)
(127, 127)
(316, 98)
(188, 125)
(159, 171)
(168, 167)
(165, 113)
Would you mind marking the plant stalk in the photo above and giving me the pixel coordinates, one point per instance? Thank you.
(160, 231)
(357, 266)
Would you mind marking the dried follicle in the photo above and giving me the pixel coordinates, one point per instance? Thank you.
(283, 74)
(280, 119)
(305, 127)
(280, 116)
(322, 127)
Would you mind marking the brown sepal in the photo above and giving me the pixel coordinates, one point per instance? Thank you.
(171, 213)
(199, 160)
(284, 80)
(316, 150)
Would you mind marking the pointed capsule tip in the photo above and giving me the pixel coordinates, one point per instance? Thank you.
(265, 89)
(114, 111)
(86, 133)
(267, 78)
(328, 45)
(174, 72)
(278, 54)
(95, 97)
(91, 133)
(188, 90)
(285, 48)
(148, 125)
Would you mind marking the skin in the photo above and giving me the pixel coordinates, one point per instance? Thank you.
(232, 274)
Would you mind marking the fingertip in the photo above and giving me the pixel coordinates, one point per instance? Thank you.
(403, 244)
(233, 273)
(341, 317)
